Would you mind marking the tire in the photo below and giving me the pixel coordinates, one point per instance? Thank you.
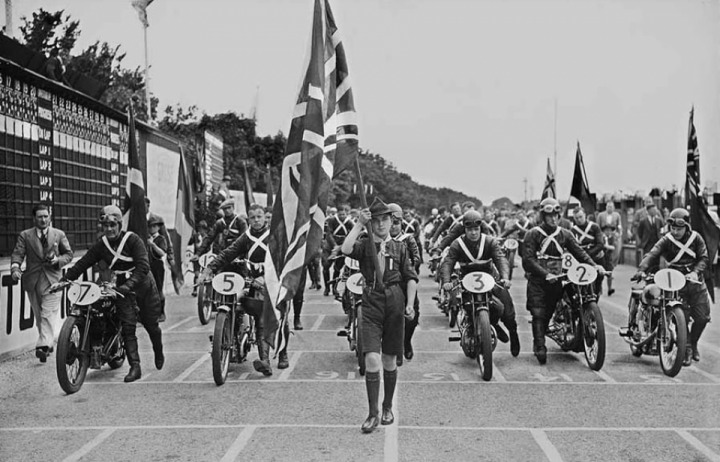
(221, 346)
(671, 361)
(484, 357)
(71, 363)
(453, 310)
(634, 303)
(593, 337)
(116, 354)
(204, 303)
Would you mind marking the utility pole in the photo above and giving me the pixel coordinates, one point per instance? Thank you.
(525, 182)
(9, 19)
(555, 148)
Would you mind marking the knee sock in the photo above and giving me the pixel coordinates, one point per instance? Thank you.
(372, 384)
(389, 379)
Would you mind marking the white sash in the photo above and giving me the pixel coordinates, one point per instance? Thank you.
(684, 248)
(339, 227)
(582, 235)
(549, 240)
(257, 242)
(481, 247)
(117, 253)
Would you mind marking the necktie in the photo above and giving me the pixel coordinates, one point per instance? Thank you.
(43, 240)
(381, 258)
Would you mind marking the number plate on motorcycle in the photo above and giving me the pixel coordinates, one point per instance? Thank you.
(567, 261)
(228, 283)
(670, 279)
(582, 274)
(478, 282)
(352, 263)
(206, 259)
(84, 293)
(355, 283)
(511, 244)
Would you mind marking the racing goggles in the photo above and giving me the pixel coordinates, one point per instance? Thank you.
(550, 209)
(472, 224)
(396, 221)
(678, 222)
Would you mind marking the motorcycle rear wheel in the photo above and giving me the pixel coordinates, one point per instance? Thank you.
(71, 363)
(594, 337)
(484, 357)
(204, 303)
(116, 352)
(672, 348)
(221, 346)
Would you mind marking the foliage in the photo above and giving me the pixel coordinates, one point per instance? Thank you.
(39, 33)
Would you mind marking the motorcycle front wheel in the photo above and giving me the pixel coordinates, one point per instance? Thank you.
(116, 352)
(594, 337)
(222, 343)
(204, 303)
(484, 341)
(671, 345)
(71, 364)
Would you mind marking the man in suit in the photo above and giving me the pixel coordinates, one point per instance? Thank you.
(45, 250)
(649, 229)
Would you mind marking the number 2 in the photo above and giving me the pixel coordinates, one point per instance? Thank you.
(581, 278)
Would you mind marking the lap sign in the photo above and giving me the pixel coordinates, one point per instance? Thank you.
(228, 283)
(582, 274)
(670, 279)
(478, 282)
(355, 283)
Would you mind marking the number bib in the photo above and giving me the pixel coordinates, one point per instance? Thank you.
(355, 283)
(206, 259)
(84, 293)
(228, 283)
(352, 263)
(478, 282)
(568, 261)
(670, 279)
(511, 244)
(582, 274)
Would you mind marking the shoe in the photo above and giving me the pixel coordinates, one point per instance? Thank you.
(688, 357)
(370, 424)
(326, 293)
(514, 343)
(298, 324)
(283, 362)
(610, 292)
(541, 354)
(263, 366)
(95, 361)
(194, 294)
(50, 350)
(134, 374)
(387, 417)
(159, 360)
(501, 334)
(398, 361)
(162, 317)
(41, 354)
(409, 353)
(695, 355)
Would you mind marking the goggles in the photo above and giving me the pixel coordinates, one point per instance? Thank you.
(396, 221)
(678, 222)
(472, 224)
(550, 209)
(109, 218)
(109, 224)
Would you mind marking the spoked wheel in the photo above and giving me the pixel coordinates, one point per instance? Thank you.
(221, 346)
(593, 334)
(71, 364)
(116, 352)
(672, 343)
(359, 354)
(484, 357)
(204, 303)
(634, 306)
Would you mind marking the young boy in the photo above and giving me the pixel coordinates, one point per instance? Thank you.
(384, 306)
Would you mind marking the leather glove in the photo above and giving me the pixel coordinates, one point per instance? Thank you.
(639, 276)
(448, 286)
(16, 274)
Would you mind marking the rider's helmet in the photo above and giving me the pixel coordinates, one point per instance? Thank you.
(396, 210)
(472, 219)
(679, 217)
(434, 212)
(651, 295)
(110, 214)
(549, 206)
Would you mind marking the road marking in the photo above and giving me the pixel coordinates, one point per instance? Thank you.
(319, 321)
(605, 376)
(239, 444)
(497, 375)
(697, 444)
(705, 374)
(92, 444)
(188, 319)
(547, 447)
(293, 362)
(391, 449)
(190, 369)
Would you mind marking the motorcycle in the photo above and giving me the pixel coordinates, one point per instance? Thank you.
(510, 246)
(234, 333)
(91, 335)
(577, 324)
(478, 337)
(205, 292)
(350, 267)
(657, 324)
(354, 288)
(434, 262)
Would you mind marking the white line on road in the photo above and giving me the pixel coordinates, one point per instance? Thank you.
(391, 448)
(319, 321)
(293, 362)
(80, 453)
(605, 376)
(497, 375)
(697, 444)
(188, 319)
(190, 369)
(547, 447)
(239, 444)
(705, 374)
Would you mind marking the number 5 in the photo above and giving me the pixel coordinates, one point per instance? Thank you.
(228, 279)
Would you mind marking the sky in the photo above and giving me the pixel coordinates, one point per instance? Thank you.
(474, 95)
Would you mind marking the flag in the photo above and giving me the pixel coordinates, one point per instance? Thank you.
(269, 185)
(321, 143)
(579, 191)
(134, 218)
(184, 223)
(248, 191)
(549, 188)
(141, 7)
(700, 219)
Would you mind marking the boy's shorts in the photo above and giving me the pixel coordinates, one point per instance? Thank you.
(382, 321)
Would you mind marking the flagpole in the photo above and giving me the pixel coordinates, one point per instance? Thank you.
(147, 74)
(364, 205)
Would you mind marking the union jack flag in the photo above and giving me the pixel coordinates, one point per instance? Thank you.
(322, 142)
(134, 218)
(549, 188)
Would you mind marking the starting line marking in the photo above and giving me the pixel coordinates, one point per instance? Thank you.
(293, 361)
(190, 369)
(239, 444)
(546, 445)
(89, 446)
(317, 323)
(697, 444)
(188, 319)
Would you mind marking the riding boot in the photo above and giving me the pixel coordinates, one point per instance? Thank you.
(155, 335)
(695, 332)
(297, 309)
(514, 339)
(409, 331)
(539, 327)
(372, 385)
(262, 364)
(283, 362)
(389, 381)
(131, 350)
(326, 280)
(609, 284)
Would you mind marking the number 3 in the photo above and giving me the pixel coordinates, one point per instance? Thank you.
(481, 284)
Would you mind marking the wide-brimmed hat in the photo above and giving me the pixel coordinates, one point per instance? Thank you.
(378, 207)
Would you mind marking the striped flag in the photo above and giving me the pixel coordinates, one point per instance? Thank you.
(248, 190)
(141, 7)
(184, 222)
(580, 191)
(134, 218)
(323, 141)
(700, 219)
(549, 188)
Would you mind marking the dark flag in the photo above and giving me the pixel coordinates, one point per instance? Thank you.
(579, 191)
(700, 219)
(134, 218)
(184, 222)
(321, 143)
(248, 190)
(269, 185)
(549, 188)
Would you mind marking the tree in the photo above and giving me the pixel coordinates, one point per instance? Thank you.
(39, 34)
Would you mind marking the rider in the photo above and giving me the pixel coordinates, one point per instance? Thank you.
(411, 225)
(336, 228)
(451, 220)
(476, 251)
(515, 228)
(685, 251)
(592, 240)
(252, 246)
(493, 227)
(225, 230)
(126, 254)
(544, 245)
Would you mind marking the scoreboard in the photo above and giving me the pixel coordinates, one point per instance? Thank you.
(58, 147)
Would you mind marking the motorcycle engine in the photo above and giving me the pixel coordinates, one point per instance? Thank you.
(651, 295)
(467, 339)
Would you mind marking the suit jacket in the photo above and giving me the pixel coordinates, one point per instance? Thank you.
(649, 233)
(29, 248)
